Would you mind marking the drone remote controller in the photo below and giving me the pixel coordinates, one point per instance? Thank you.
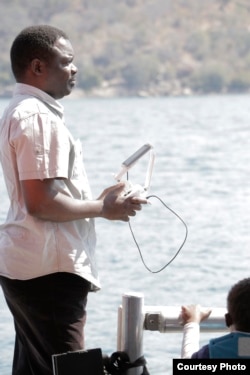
(134, 190)
(137, 190)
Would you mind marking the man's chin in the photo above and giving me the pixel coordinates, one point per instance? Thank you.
(70, 88)
(66, 93)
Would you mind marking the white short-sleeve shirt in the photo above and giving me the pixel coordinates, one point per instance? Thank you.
(36, 144)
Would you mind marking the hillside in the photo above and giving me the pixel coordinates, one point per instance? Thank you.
(143, 47)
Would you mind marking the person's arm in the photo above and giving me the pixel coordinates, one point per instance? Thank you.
(190, 340)
(43, 201)
(191, 317)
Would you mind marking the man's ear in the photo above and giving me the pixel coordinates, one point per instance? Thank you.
(228, 320)
(37, 66)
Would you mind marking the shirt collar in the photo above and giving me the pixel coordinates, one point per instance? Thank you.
(24, 89)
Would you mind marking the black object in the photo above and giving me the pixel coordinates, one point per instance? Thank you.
(82, 362)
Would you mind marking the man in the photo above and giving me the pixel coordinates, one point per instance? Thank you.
(47, 261)
(233, 345)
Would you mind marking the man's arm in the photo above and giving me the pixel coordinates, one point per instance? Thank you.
(43, 201)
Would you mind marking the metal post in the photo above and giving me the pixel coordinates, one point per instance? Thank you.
(131, 330)
(119, 329)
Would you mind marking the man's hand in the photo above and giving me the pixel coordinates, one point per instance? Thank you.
(116, 206)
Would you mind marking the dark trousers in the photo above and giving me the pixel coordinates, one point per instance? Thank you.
(49, 317)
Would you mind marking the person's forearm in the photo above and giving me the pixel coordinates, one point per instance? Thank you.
(63, 208)
(190, 341)
(44, 201)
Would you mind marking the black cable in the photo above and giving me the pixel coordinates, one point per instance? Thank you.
(177, 252)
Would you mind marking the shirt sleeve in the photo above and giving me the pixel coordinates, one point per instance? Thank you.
(42, 146)
(190, 340)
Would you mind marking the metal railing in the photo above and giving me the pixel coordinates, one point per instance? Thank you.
(134, 318)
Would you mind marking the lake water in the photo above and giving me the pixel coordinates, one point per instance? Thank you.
(202, 147)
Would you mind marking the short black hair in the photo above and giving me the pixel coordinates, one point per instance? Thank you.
(33, 42)
(238, 305)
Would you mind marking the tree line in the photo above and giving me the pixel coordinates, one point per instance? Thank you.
(143, 47)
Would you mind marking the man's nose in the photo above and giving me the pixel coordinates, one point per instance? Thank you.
(74, 69)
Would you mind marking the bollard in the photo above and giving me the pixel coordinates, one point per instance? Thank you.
(130, 328)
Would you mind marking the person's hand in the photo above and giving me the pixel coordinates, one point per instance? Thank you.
(116, 206)
(193, 313)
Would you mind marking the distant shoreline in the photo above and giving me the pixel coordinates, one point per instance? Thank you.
(110, 92)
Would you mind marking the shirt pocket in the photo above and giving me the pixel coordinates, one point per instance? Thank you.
(77, 161)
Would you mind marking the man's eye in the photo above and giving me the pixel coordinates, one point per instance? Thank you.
(67, 61)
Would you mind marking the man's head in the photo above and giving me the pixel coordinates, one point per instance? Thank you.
(238, 305)
(42, 56)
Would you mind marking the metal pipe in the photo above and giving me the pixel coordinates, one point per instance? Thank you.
(167, 319)
(131, 332)
(119, 329)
